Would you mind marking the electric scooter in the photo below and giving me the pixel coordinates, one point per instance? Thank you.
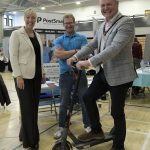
(63, 143)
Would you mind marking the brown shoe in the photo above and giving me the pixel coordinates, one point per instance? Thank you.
(85, 137)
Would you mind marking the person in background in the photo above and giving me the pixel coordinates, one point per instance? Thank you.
(47, 53)
(66, 46)
(137, 53)
(137, 58)
(2, 56)
(3, 60)
(26, 53)
(114, 43)
(4, 96)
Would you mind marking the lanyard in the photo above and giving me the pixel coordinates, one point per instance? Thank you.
(105, 32)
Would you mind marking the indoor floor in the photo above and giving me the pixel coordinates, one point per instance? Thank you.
(137, 116)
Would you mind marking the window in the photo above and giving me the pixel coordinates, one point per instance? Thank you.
(5, 20)
(8, 20)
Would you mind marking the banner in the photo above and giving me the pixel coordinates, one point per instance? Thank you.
(52, 71)
(49, 21)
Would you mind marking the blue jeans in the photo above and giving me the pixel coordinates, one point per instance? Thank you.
(66, 83)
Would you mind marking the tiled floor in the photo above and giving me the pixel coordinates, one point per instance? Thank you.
(138, 123)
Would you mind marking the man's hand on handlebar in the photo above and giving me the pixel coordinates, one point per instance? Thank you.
(83, 64)
(80, 64)
(71, 61)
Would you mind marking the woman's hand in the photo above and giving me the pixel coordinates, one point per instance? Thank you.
(43, 79)
(20, 82)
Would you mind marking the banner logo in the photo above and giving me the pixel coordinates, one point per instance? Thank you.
(51, 21)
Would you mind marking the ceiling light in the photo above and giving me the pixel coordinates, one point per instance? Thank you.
(43, 8)
(14, 12)
(78, 3)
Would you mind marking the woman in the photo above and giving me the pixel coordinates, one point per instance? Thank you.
(26, 60)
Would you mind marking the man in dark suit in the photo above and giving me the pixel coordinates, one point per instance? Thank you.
(113, 42)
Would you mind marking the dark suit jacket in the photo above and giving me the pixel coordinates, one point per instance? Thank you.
(4, 97)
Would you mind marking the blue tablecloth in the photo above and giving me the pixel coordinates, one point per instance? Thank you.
(143, 79)
(50, 88)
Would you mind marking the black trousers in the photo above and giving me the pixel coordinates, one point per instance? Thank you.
(29, 102)
(98, 87)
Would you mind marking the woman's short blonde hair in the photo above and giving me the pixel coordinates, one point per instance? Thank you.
(30, 11)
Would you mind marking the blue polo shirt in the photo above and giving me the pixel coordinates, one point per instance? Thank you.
(76, 41)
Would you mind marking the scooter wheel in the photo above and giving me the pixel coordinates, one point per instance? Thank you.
(58, 146)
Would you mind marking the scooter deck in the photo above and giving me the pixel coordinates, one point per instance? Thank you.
(83, 145)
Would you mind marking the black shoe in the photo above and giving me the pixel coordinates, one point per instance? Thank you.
(117, 148)
(35, 147)
(20, 134)
(20, 138)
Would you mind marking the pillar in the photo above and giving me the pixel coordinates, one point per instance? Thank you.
(1, 30)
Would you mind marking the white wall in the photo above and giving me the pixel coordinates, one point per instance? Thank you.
(134, 7)
(18, 19)
(142, 30)
(127, 7)
(88, 34)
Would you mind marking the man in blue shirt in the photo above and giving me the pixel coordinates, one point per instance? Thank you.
(66, 46)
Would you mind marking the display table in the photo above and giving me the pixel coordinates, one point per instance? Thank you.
(143, 79)
(50, 96)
